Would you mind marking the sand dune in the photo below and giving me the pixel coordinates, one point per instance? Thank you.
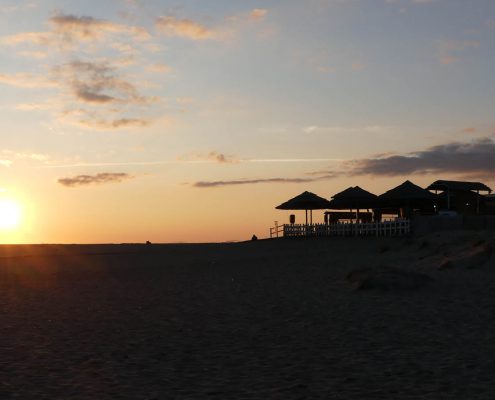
(275, 319)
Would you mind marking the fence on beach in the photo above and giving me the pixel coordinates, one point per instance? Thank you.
(397, 227)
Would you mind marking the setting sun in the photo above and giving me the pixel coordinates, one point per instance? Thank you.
(10, 214)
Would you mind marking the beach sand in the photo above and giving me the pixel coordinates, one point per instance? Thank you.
(339, 318)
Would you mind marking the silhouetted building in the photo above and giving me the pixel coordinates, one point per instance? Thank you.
(462, 197)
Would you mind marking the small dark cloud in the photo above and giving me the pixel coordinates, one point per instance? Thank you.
(218, 157)
(474, 157)
(85, 180)
(212, 156)
(85, 94)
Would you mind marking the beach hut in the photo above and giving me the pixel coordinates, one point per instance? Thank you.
(305, 201)
(464, 195)
(353, 198)
(407, 196)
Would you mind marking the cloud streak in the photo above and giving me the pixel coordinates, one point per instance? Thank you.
(238, 182)
(98, 179)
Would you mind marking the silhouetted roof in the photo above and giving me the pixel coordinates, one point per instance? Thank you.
(458, 185)
(353, 197)
(305, 201)
(407, 191)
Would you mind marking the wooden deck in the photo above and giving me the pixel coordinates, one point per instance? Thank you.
(398, 227)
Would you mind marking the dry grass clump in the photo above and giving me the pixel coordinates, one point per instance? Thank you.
(387, 278)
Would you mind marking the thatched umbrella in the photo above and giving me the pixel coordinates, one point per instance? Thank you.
(305, 201)
(407, 194)
(353, 198)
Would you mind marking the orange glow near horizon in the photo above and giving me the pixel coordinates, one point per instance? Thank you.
(10, 214)
(16, 217)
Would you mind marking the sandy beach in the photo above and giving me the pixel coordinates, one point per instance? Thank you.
(334, 318)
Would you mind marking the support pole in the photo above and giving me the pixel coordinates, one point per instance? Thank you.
(477, 202)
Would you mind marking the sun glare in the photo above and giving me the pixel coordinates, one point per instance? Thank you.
(10, 214)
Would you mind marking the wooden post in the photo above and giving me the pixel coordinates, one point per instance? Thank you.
(448, 199)
(477, 202)
(357, 220)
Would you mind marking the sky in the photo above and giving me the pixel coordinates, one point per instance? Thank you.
(189, 121)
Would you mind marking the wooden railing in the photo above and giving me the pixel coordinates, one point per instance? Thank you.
(398, 227)
(277, 231)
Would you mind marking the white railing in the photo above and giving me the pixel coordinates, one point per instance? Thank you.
(398, 227)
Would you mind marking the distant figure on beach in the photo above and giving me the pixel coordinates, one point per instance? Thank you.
(148, 242)
(254, 237)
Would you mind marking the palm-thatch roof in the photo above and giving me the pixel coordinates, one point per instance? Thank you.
(458, 186)
(407, 191)
(353, 197)
(305, 201)
(407, 194)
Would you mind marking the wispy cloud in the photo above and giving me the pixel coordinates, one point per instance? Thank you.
(451, 51)
(76, 28)
(185, 28)
(159, 68)
(98, 82)
(258, 14)
(94, 119)
(98, 179)
(194, 30)
(114, 123)
(368, 129)
(210, 184)
(71, 30)
(327, 175)
(27, 80)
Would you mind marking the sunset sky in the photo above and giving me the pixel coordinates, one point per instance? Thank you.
(189, 121)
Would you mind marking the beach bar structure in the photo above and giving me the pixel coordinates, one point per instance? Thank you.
(406, 199)
(306, 201)
(352, 199)
(462, 197)
(357, 222)
(357, 212)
